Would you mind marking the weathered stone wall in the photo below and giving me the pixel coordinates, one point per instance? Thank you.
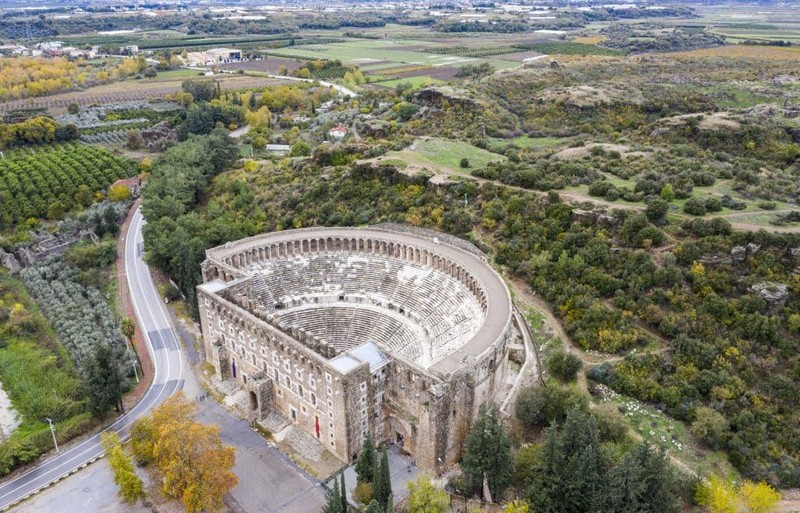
(430, 409)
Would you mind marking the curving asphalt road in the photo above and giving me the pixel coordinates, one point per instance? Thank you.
(165, 351)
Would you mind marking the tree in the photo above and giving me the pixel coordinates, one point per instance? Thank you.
(710, 427)
(657, 210)
(571, 476)
(564, 365)
(365, 466)
(488, 456)
(333, 499)
(464, 163)
(667, 193)
(133, 140)
(541, 406)
(131, 488)
(425, 498)
(119, 193)
(363, 492)
(758, 497)
(695, 207)
(102, 383)
(192, 463)
(382, 482)
(201, 90)
(390, 504)
(128, 329)
(300, 149)
(259, 120)
(642, 482)
(343, 490)
(517, 506)
(717, 495)
(374, 507)
(83, 196)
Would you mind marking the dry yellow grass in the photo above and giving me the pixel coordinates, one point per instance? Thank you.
(589, 40)
(772, 53)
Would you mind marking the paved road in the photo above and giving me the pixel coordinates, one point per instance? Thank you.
(165, 351)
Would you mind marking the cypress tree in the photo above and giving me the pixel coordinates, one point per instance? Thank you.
(333, 499)
(390, 505)
(365, 466)
(487, 454)
(343, 489)
(382, 484)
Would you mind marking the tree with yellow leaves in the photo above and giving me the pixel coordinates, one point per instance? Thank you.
(193, 464)
(517, 507)
(131, 488)
(424, 497)
(758, 497)
(259, 120)
(718, 495)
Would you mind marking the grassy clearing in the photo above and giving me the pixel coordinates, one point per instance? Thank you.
(442, 156)
(448, 154)
(660, 430)
(416, 82)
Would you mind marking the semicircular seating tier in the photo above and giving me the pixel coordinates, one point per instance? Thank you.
(408, 309)
(419, 298)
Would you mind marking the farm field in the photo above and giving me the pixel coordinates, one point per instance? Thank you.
(416, 82)
(442, 156)
(47, 182)
(369, 51)
(267, 65)
(132, 90)
(775, 53)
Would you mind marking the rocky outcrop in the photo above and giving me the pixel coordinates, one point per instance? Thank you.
(775, 294)
(10, 262)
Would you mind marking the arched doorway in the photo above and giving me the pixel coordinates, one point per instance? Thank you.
(253, 401)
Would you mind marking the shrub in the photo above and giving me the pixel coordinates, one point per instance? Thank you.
(133, 139)
(657, 210)
(363, 492)
(710, 427)
(540, 406)
(564, 365)
(170, 292)
(73, 108)
(695, 207)
(767, 205)
(464, 163)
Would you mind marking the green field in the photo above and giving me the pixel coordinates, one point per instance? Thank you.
(364, 52)
(416, 82)
(441, 155)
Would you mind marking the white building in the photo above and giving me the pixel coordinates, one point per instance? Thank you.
(338, 132)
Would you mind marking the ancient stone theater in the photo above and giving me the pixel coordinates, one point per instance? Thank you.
(401, 333)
